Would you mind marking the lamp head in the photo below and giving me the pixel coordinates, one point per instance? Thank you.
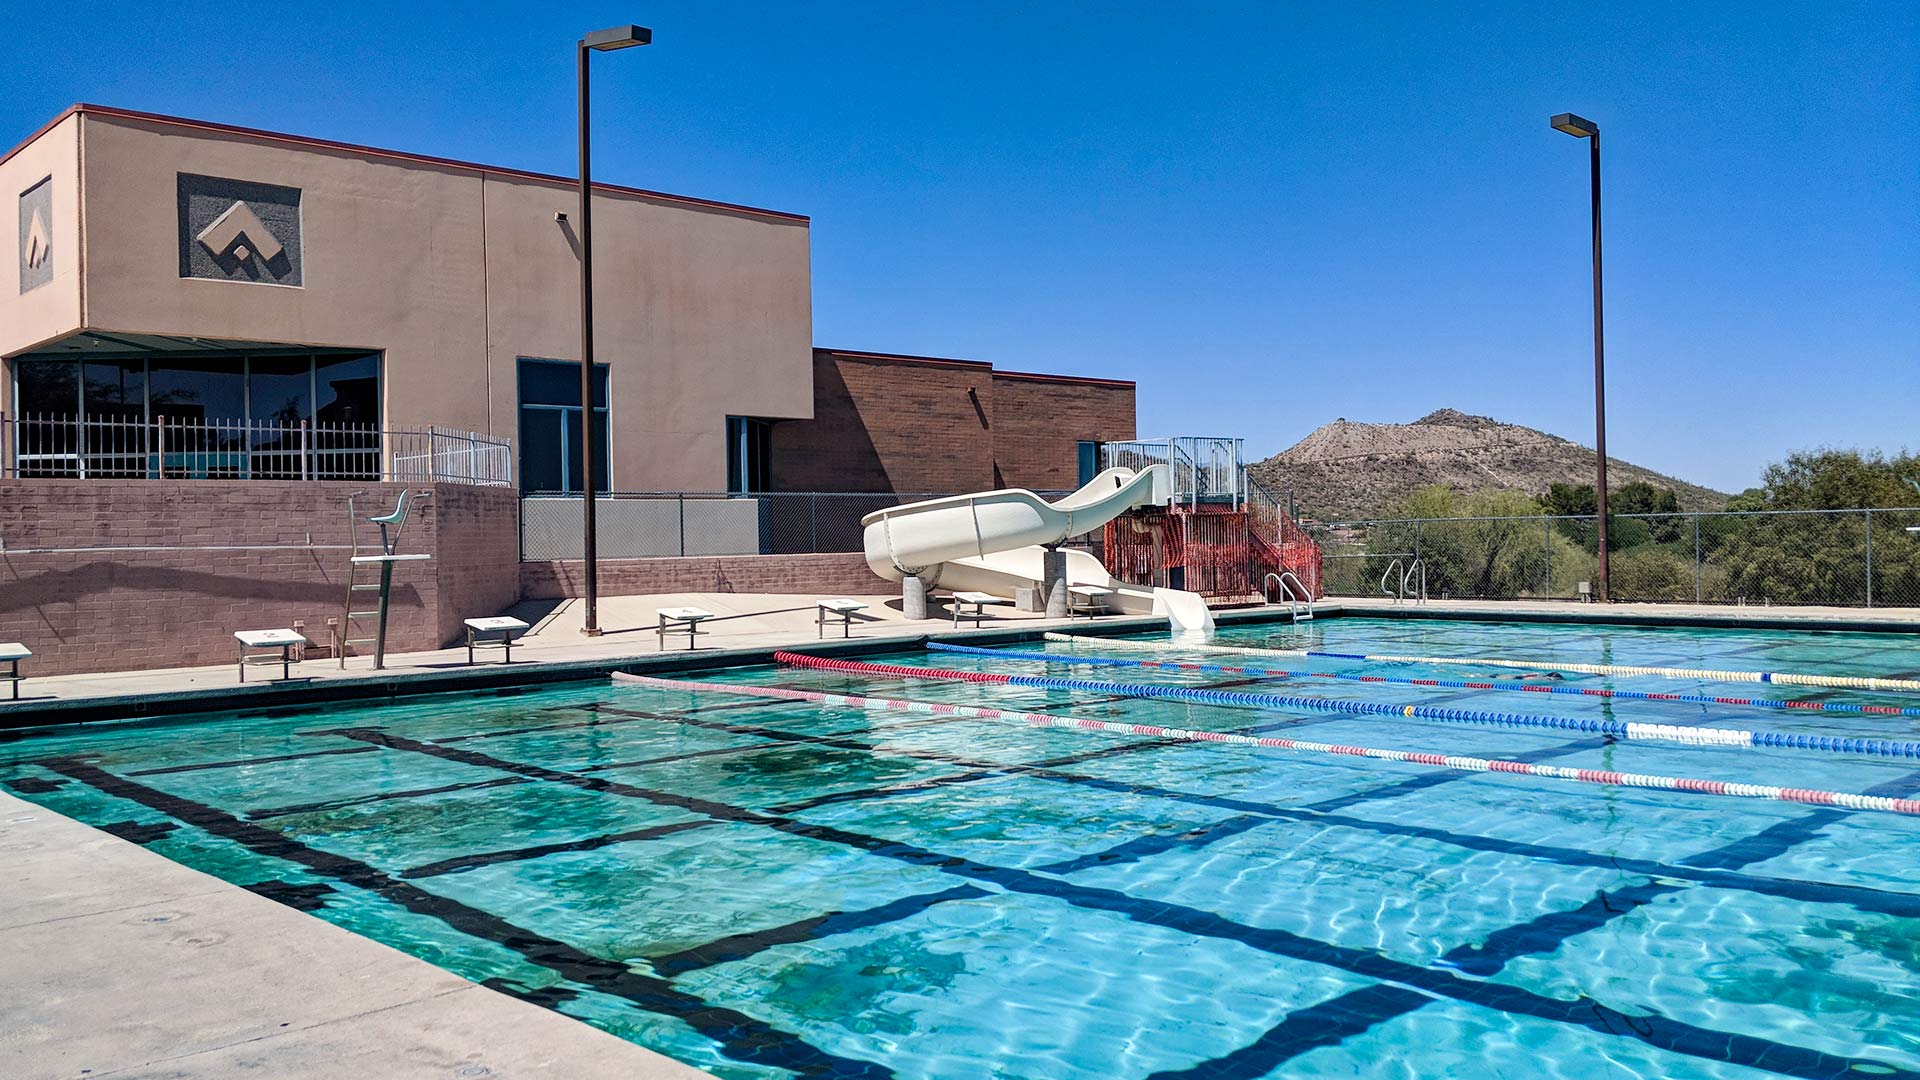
(1578, 127)
(617, 37)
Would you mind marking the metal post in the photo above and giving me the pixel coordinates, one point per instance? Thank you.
(589, 546)
(1547, 555)
(1869, 514)
(1699, 587)
(380, 634)
(813, 523)
(682, 499)
(1599, 375)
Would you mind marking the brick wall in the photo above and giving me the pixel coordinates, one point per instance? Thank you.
(917, 425)
(476, 554)
(1039, 422)
(817, 575)
(888, 423)
(119, 610)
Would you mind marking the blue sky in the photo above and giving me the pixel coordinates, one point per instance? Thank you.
(1270, 216)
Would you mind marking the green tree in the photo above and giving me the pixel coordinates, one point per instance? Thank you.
(1821, 558)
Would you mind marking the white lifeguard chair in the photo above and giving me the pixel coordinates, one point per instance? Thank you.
(361, 563)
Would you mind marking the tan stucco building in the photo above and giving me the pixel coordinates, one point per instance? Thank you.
(197, 301)
(218, 273)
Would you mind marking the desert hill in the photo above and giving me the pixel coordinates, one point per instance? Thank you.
(1347, 469)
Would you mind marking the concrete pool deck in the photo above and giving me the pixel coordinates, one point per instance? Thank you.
(742, 622)
(116, 962)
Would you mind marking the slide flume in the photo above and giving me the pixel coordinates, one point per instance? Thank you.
(995, 542)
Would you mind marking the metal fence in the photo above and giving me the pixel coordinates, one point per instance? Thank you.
(1843, 558)
(170, 448)
(640, 525)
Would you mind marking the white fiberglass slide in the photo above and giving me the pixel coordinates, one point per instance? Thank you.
(994, 542)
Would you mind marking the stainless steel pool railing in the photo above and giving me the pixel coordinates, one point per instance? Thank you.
(1291, 585)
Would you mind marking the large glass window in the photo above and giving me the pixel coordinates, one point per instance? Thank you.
(551, 433)
(273, 416)
(749, 454)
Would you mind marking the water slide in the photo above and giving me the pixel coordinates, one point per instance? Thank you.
(996, 542)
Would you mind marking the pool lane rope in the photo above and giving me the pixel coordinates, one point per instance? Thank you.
(1675, 733)
(1783, 678)
(1444, 761)
(1787, 704)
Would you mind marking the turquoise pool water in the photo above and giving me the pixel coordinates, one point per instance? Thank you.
(769, 889)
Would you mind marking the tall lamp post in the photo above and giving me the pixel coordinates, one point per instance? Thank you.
(615, 37)
(1586, 129)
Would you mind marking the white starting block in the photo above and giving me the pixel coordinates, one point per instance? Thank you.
(681, 620)
(838, 610)
(494, 633)
(976, 600)
(283, 640)
(11, 653)
(1088, 600)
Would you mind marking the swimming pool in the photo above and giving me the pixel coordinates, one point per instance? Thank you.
(766, 887)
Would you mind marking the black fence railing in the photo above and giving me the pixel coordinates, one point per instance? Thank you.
(1842, 558)
(641, 525)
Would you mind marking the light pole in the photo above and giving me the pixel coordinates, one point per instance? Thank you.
(1586, 129)
(616, 37)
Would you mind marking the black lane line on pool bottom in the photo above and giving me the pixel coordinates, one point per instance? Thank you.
(380, 797)
(1539, 936)
(539, 851)
(1546, 933)
(739, 1035)
(237, 763)
(1327, 1023)
(1654, 1029)
(740, 946)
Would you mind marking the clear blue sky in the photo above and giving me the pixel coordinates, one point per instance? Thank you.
(1270, 217)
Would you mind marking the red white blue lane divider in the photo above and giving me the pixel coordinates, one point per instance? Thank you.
(1444, 761)
(1678, 733)
(1784, 678)
(1787, 704)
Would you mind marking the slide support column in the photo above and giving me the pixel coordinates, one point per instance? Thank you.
(913, 597)
(1054, 567)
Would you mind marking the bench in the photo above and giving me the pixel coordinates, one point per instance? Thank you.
(283, 640)
(11, 653)
(494, 633)
(838, 610)
(1088, 600)
(681, 620)
(977, 600)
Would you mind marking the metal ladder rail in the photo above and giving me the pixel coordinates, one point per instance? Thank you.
(1420, 565)
(1396, 572)
(1293, 593)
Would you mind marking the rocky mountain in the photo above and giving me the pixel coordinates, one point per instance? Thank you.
(1347, 469)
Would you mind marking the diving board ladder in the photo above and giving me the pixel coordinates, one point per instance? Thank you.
(368, 572)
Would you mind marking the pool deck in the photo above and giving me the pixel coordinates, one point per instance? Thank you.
(744, 623)
(116, 962)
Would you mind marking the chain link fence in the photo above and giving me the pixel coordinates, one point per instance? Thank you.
(1841, 558)
(646, 525)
